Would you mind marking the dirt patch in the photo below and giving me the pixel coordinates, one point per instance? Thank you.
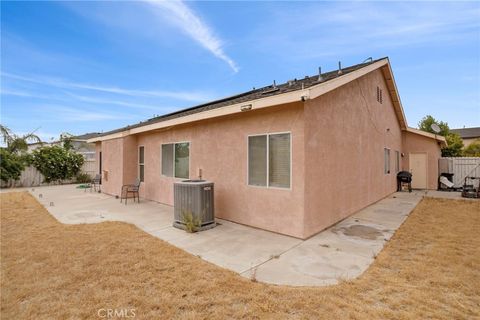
(428, 270)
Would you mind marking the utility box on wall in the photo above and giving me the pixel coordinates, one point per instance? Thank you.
(195, 198)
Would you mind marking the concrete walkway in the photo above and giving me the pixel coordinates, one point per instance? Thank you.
(343, 251)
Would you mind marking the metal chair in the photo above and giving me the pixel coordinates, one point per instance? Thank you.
(130, 189)
(96, 182)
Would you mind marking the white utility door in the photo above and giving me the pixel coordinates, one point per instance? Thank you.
(418, 168)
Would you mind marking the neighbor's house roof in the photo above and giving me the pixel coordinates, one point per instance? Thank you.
(467, 133)
(86, 136)
(291, 91)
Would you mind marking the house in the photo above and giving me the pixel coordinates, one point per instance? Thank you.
(293, 158)
(79, 144)
(468, 135)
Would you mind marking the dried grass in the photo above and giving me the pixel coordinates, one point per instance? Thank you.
(430, 269)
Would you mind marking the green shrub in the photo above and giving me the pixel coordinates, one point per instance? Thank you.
(473, 149)
(11, 165)
(57, 163)
(191, 223)
(83, 178)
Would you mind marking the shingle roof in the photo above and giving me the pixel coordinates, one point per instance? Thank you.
(87, 136)
(467, 133)
(271, 90)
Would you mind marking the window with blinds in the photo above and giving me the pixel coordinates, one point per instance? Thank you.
(176, 160)
(167, 160)
(386, 155)
(269, 162)
(141, 163)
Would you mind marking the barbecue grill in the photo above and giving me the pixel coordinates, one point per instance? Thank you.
(404, 178)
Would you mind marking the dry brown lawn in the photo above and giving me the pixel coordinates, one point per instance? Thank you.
(429, 270)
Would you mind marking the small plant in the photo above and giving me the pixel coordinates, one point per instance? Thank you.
(83, 178)
(191, 222)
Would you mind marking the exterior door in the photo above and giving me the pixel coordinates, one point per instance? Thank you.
(418, 168)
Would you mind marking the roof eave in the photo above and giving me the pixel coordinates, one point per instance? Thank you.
(439, 138)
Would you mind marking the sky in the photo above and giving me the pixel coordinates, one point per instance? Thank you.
(91, 66)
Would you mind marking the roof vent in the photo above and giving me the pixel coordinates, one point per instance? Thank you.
(340, 67)
(369, 59)
(273, 89)
(320, 78)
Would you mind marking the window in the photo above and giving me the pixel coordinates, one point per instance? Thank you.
(269, 163)
(176, 160)
(141, 163)
(386, 152)
(397, 161)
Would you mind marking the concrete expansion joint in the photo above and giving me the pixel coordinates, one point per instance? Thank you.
(272, 257)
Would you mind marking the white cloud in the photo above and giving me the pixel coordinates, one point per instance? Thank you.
(68, 114)
(191, 24)
(62, 83)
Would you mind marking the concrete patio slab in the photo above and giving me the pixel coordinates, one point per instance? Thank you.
(343, 251)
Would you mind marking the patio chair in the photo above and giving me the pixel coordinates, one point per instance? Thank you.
(96, 182)
(130, 189)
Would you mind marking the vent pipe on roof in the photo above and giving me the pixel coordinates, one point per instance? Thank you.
(274, 84)
(340, 67)
(320, 78)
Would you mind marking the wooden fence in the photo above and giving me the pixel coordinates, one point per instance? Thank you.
(31, 177)
(460, 167)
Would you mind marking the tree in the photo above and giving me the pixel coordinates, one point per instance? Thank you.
(16, 143)
(426, 125)
(473, 149)
(454, 141)
(454, 146)
(13, 158)
(57, 163)
(11, 165)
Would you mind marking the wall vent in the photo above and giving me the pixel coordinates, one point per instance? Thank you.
(379, 95)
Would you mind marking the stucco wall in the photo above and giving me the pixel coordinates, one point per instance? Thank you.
(416, 143)
(219, 148)
(112, 166)
(346, 131)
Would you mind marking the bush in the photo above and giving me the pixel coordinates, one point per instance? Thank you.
(57, 163)
(83, 178)
(192, 223)
(473, 149)
(11, 165)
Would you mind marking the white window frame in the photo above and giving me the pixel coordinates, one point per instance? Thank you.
(173, 168)
(139, 164)
(268, 160)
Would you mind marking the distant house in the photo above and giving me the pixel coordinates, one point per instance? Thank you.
(292, 158)
(79, 144)
(468, 135)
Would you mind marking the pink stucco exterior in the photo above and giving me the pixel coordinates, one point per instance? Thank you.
(416, 143)
(337, 148)
(346, 131)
